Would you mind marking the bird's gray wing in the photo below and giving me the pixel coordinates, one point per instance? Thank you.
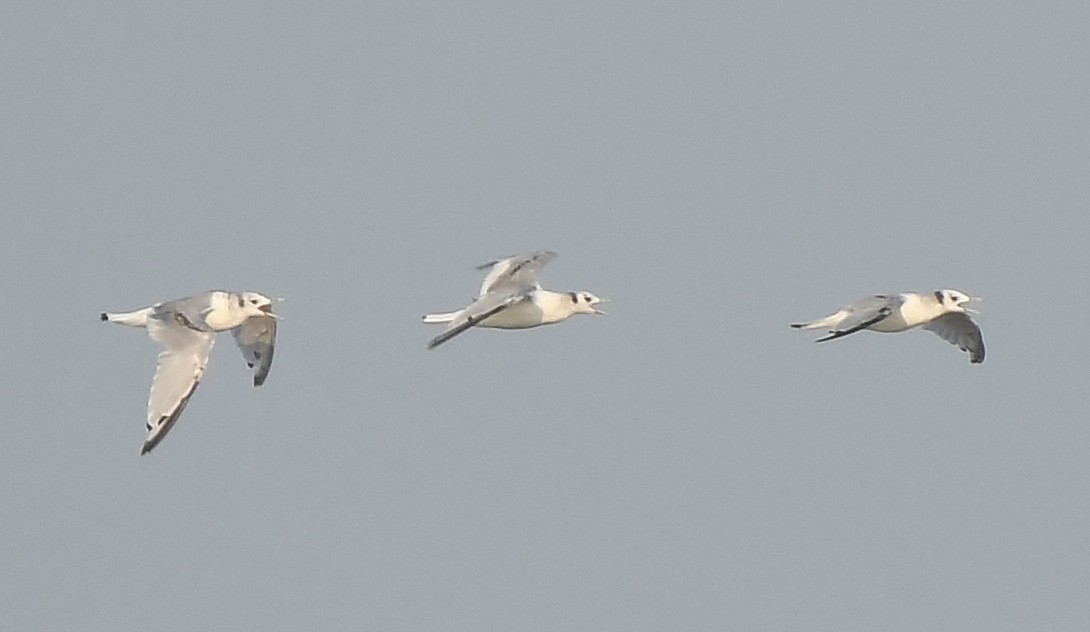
(256, 338)
(864, 313)
(181, 365)
(191, 308)
(487, 305)
(957, 328)
(514, 272)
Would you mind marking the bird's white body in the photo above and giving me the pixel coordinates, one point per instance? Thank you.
(913, 311)
(187, 328)
(943, 311)
(543, 307)
(221, 311)
(512, 298)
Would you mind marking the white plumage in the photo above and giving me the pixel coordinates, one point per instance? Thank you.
(511, 298)
(944, 312)
(187, 328)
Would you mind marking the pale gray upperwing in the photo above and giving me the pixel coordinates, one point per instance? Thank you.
(488, 305)
(519, 271)
(191, 308)
(862, 314)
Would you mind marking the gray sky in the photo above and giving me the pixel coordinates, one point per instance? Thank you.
(686, 463)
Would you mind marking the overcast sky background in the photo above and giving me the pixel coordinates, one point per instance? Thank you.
(688, 462)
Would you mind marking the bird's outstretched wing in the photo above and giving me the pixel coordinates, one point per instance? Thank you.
(957, 328)
(181, 366)
(484, 307)
(862, 314)
(256, 338)
(191, 308)
(519, 271)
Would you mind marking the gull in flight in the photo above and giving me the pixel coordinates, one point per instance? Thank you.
(512, 298)
(187, 328)
(944, 312)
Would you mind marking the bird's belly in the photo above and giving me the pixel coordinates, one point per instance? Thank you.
(522, 315)
(891, 324)
(222, 320)
(912, 313)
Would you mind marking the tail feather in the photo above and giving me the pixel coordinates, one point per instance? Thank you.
(138, 318)
(439, 318)
(829, 322)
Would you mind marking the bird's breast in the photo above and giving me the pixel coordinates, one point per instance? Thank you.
(913, 312)
(221, 319)
(221, 314)
(521, 315)
(890, 324)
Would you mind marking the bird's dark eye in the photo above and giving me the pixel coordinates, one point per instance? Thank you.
(253, 301)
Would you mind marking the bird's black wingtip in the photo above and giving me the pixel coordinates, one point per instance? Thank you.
(103, 316)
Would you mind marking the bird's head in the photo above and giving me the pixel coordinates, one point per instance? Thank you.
(585, 303)
(955, 301)
(254, 304)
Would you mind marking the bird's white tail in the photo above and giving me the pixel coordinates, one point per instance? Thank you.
(138, 318)
(821, 323)
(440, 318)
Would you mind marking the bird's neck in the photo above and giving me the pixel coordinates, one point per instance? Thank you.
(555, 306)
(223, 313)
(917, 309)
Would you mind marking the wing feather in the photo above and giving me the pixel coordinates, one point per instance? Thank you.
(862, 314)
(256, 338)
(957, 328)
(192, 309)
(180, 368)
(518, 271)
(482, 308)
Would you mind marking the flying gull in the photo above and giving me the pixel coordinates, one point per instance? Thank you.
(944, 312)
(511, 298)
(187, 328)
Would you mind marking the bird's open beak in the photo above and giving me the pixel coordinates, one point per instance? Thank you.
(600, 312)
(973, 299)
